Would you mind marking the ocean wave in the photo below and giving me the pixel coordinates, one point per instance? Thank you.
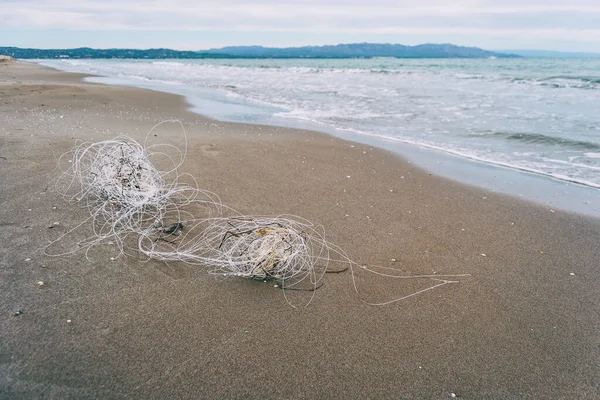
(561, 82)
(528, 166)
(587, 79)
(168, 63)
(469, 76)
(538, 138)
(306, 70)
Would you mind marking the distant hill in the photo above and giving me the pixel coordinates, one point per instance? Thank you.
(360, 50)
(357, 50)
(86, 52)
(551, 54)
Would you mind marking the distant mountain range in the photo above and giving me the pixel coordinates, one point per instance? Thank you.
(356, 50)
(360, 50)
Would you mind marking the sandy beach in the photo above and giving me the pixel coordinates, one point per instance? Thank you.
(525, 324)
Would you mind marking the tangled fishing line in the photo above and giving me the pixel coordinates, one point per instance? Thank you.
(128, 197)
(123, 191)
(285, 248)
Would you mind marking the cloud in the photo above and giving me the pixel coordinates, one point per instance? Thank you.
(576, 20)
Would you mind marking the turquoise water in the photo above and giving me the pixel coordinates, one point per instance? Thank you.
(541, 116)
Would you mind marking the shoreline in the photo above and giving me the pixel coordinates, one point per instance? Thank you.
(524, 325)
(539, 188)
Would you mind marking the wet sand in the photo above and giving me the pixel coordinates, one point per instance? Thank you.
(525, 324)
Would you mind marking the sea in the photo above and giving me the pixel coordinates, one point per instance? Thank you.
(524, 127)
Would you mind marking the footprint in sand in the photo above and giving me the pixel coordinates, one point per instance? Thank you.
(210, 149)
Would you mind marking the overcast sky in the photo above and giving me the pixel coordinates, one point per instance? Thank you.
(200, 24)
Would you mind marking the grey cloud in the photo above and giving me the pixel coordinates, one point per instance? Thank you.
(309, 15)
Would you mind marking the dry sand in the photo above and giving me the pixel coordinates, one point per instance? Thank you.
(524, 325)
